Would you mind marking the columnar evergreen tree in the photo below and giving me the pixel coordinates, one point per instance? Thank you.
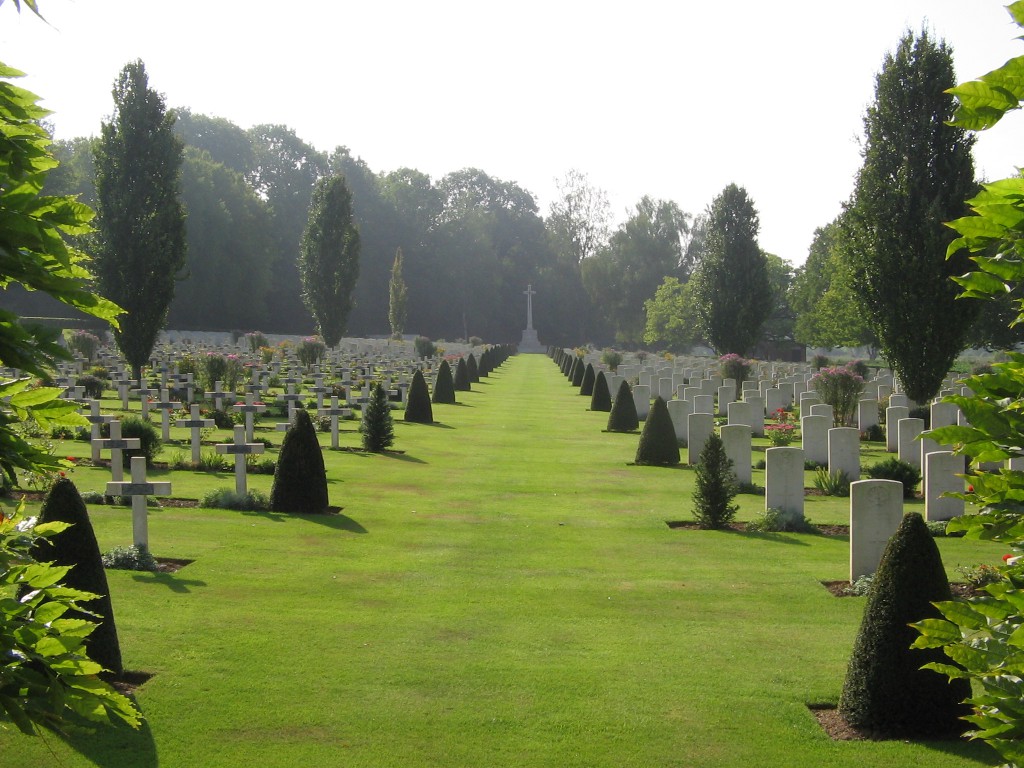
(417, 407)
(715, 486)
(141, 223)
(329, 257)
(731, 290)
(378, 427)
(917, 173)
(397, 297)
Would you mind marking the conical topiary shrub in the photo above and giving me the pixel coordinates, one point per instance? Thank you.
(76, 546)
(623, 417)
(377, 426)
(601, 399)
(444, 385)
(462, 376)
(417, 404)
(300, 480)
(587, 385)
(474, 369)
(886, 691)
(577, 373)
(658, 444)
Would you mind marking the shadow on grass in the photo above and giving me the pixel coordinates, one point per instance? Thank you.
(434, 424)
(402, 457)
(114, 746)
(170, 580)
(780, 538)
(337, 521)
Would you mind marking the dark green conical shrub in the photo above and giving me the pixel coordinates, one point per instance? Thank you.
(886, 691)
(474, 369)
(658, 444)
(462, 376)
(577, 373)
(377, 426)
(715, 486)
(417, 405)
(567, 365)
(77, 547)
(623, 417)
(444, 385)
(587, 385)
(300, 480)
(601, 399)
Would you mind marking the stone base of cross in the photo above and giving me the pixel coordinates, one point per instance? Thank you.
(240, 449)
(139, 489)
(115, 444)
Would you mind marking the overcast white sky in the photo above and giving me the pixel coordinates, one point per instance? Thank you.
(671, 98)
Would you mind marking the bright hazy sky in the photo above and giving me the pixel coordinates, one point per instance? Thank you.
(669, 98)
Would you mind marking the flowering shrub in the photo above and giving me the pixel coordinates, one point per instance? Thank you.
(734, 367)
(84, 343)
(780, 435)
(840, 388)
(256, 340)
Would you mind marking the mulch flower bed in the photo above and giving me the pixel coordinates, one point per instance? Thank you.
(958, 588)
(691, 525)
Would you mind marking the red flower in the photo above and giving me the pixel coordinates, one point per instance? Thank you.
(970, 489)
(62, 474)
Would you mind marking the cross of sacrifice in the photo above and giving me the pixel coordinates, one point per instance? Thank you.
(194, 423)
(139, 489)
(335, 413)
(249, 407)
(530, 293)
(96, 419)
(240, 449)
(115, 444)
(165, 406)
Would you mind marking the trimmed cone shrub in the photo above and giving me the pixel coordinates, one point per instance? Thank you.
(658, 444)
(716, 486)
(462, 376)
(474, 369)
(578, 372)
(377, 426)
(623, 417)
(601, 399)
(77, 547)
(417, 406)
(587, 385)
(886, 691)
(300, 480)
(444, 385)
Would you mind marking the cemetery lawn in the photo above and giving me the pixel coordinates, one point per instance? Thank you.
(504, 592)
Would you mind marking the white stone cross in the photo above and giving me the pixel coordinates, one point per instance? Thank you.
(291, 398)
(115, 443)
(144, 394)
(195, 423)
(96, 419)
(530, 293)
(218, 394)
(139, 489)
(165, 406)
(240, 449)
(334, 412)
(249, 407)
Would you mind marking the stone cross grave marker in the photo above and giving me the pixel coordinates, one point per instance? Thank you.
(165, 406)
(249, 407)
(95, 418)
(139, 489)
(218, 394)
(194, 423)
(115, 444)
(240, 449)
(335, 413)
(145, 393)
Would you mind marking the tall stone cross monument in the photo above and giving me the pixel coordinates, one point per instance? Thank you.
(529, 341)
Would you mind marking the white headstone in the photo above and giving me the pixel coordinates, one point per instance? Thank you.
(814, 438)
(844, 451)
(784, 480)
(699, 427)
(909, 450)
(876, 510)
(736, 438)
(941, 476)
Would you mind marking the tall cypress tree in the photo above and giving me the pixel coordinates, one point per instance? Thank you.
(140, 220)
(732, 293)
(917, 173)
(397, 297)
(329, 257)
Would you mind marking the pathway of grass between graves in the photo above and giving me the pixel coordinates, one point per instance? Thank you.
(503, 593)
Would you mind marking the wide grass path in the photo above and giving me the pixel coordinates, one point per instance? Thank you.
(505, 592)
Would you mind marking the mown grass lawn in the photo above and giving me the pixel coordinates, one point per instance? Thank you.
(506, 592)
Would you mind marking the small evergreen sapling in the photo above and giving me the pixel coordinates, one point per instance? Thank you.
(417, 407)
(300, 480)
(601, 399)
(377, 426)
(716, 486)
(886, 691)
(658, 444)
(623, 416)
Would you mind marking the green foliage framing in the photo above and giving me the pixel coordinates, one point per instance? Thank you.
(984, 636)
(731, 290)
(329, 257)
(141, 221)
(916, 174)
(885, 690)
(377, 426)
